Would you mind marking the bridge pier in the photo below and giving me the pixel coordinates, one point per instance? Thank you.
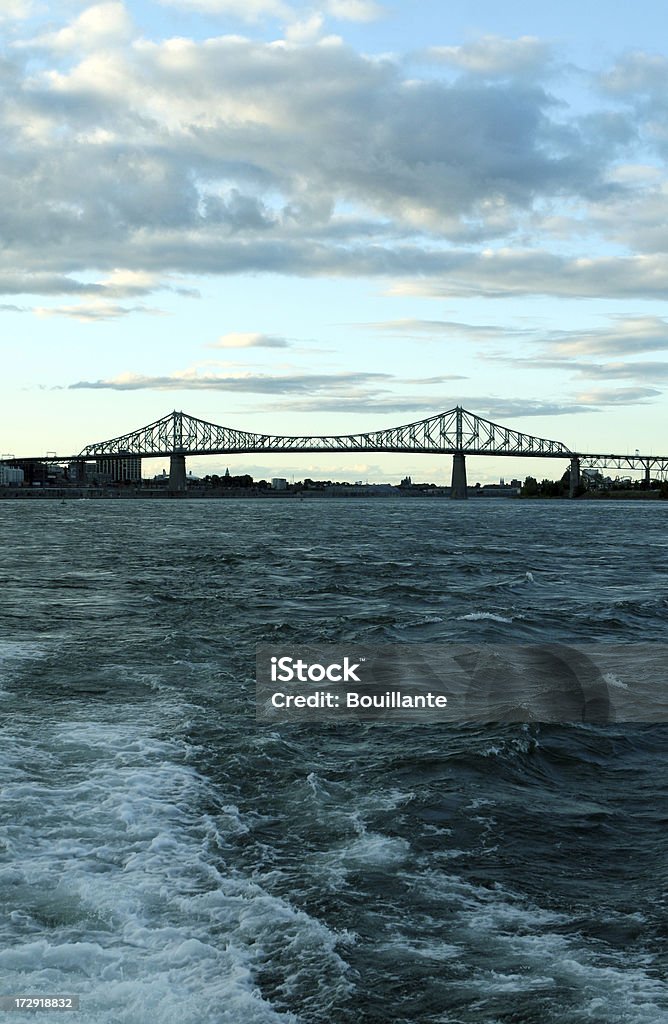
(77, 471)
(648, 478)
(458, 488)
(177, 472)
(574, 479)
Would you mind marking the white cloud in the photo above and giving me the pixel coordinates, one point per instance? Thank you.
(98, 27)
(15, 10)
(247, 340)
(495, 56)
(121, 282)
(355, 10)
(305, 30)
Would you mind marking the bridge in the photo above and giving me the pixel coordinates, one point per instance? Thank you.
(456, 432)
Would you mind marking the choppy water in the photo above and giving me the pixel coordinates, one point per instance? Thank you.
(167, 859)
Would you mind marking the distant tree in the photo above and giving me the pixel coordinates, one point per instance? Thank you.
(550, 489)
(530, 488)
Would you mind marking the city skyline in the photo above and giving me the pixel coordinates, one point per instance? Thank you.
(332, 218)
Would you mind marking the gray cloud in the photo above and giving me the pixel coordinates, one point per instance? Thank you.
(647, 371)
(227, 156)
(351, 389)
(636, 73)
(555, 349)
(250, 340)
(493, 56)
(625, 336)
(409, 327)
(507, 272)
(95, 312)
(618, 396)
(45, 284)
(499, 410)
(258, 383)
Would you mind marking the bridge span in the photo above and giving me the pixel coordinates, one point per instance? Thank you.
(456, 432)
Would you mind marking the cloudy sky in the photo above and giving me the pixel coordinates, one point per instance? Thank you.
(330, 217)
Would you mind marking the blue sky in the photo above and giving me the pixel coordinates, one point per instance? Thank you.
(334, 217)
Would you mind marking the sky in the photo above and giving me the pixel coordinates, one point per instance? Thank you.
(334, 217)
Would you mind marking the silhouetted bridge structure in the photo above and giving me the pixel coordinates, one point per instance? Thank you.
(456, 432)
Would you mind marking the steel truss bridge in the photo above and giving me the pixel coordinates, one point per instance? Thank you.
(456, 432)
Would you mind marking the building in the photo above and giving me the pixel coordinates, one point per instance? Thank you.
(10, 476)
(279, 483)
(124, 469)
(500, 490)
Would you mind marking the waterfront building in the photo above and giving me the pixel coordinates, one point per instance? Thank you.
(11, 476)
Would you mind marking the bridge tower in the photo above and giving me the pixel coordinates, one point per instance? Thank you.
(177, 472)
(458, 488)
(177, 460)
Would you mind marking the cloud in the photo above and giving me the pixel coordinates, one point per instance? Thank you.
(230, 155)
(409, 327)
(246, 10)
(625, 336)
(636, 73)
(122, 283)
(362, 393)
(493, 56)
(247, 340)
(646, 371)
(93, 312)
(618, 396)
(255, 383)
(15, 10)
(499, 410)
(305, 30)
(97, 27)
(355, 10)
(507, 272)
(45, 284)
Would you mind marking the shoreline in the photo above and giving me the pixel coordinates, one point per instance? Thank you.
(131, 493)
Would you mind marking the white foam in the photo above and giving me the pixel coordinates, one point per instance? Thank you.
(117, 891)
(502, 929)
(480, 616)
(612, 680)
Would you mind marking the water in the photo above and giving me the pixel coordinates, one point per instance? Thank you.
(165, 858)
